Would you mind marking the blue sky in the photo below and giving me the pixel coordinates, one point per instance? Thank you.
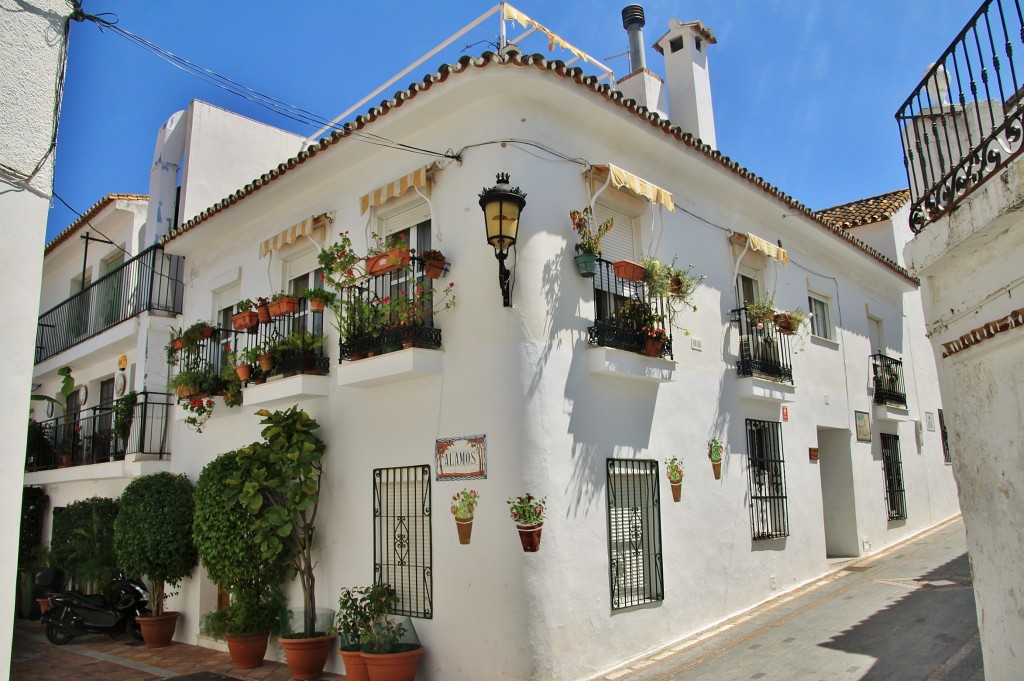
(804, 90)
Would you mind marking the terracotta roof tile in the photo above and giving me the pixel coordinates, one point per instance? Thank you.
(83, 220)
(865, 211)
(559, 69)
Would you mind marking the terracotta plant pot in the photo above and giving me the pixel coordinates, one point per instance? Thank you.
(208, 332)
(433, 269)
(247, 650)
(283, 306)
(185, 391)
(716, 466)
(177, 344)
(465, 529)
(158, 630)
(44, 605)
(263, 313)
(243, 321)
(243, 371)
(653, 347)
(529, 536)
(266, 362)
(629, 270)
(355, 665)
(317, 305)
(393, 666)
(586, 263)
(388, 261)
(306, 657)
(677, 490)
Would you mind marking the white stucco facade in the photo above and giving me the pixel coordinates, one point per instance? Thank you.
(553, 408)
(968, 263)
(32, 49)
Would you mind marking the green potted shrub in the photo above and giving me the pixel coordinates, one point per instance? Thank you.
(221, 530)
(82, 543)
(588, 247)
(279, 485)
(389, 648)
(187, 383)
(124, 414)
(153, 537)
(319, 298)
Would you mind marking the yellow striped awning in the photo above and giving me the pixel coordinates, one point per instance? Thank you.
(639, 186)
(762, 246)
(312, 226)
(379, 196)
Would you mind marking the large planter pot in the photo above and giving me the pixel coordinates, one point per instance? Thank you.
(243, 371)
(529, 536)
(387, 262)
(44, 605)
(158, 630)
(653, 347)
(306, 657)
(586, 263)
(677, 490)
(247, 650)
(393, 666)
(243, 321)
(283, 306)
(716, 467)
(355, 665)
(629, 270)
(465, 529)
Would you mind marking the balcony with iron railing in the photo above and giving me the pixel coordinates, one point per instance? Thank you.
(625, 316)
(391, 311)
(135, 424)
(288, 344)
(149, 282)
(887, 373)
(764, 351)
(965, 121)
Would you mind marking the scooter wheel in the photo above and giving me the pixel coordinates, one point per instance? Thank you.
(56, 635)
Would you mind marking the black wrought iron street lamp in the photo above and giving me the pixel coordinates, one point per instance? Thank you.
(502, 205)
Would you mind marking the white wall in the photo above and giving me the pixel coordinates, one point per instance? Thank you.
(31, 43)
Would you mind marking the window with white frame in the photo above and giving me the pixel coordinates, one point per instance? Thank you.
(821, 319)
(619, 243)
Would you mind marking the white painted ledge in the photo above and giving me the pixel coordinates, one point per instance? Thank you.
(391, 367)
(289, 391)
(885, 412)
(623, 364)
(754, 388)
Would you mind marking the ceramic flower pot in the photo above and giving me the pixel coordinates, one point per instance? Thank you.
(529, 536)
(653, 347)
(677, 490)
(306, 657)
(355, 665)
(158, 630)
(586, 263)
(716, 466)
(465, 529)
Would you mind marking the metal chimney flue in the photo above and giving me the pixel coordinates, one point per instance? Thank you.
(633, 21)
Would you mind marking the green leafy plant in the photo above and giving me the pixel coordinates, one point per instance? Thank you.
(321, 294)
(364, 622)
(244, 305)
(715, 449)
(589, 236)
(279, 295)
(761, 311)
(527, 509)
(302, 342)
(464, 504)
(124, 412)
(153, 531)
(340, 263)
(82, 541)
(279, 486)
(674, 469)
(433, 255)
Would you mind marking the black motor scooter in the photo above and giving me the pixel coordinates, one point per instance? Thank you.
(72, 613)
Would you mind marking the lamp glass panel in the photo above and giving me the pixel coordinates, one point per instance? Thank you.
(502, 223)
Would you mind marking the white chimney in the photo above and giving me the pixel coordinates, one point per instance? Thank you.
(163, 178)
(684, 48)
(640, 85)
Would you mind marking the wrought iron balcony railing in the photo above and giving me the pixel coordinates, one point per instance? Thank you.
(888, 378)
(764, 352)
(151, 281)
(293, 341)
(624, 314)
(135, 424)
(963, 123)
(391, 311)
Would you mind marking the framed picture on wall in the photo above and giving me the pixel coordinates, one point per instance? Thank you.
(863, 424)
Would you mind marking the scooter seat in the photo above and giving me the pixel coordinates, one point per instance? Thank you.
(96, 600)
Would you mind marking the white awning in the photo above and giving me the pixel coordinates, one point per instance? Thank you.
(760, 245)
(639, 186)
(311, 226)
(395, 188)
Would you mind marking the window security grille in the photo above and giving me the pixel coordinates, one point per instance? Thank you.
(945, 439)
(634, 533)
(892, 465)
(766, 476)
(402, 542)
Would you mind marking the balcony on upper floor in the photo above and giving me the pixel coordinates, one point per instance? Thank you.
(149, 282)
(963, 123)
(764, 349)
(134, 424)
(626, 317)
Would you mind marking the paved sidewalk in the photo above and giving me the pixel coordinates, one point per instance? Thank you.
(904, 614)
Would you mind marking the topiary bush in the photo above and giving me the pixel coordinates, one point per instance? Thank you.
(153, 532)
(82, 542)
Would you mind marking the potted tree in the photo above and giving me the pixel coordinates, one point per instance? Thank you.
(674, 472)
(222, 532)
(153, 537)
(588, 248)
(715, 449)
(279, 485)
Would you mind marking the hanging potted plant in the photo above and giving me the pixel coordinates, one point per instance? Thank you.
(319, 298)
(654, 340)
(715, 449)
(789, 322)
(279, 485)
(761, 313)
(245, 317)
(463, 506)
(528, 514)
(223, 539)
(588, 248)
(387, 255)
(263, 309)
(674, 472)
(153, 537)
(434, 263)
(282, 303)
